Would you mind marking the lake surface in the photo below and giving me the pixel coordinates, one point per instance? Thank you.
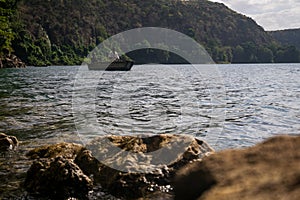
(230, 106)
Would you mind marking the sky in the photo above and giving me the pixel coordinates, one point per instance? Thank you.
(270, 14)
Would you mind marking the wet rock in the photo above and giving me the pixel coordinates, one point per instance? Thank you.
(126, 166)
(8, 142)
(147, 154)
(269, 170)
(138, 166)
(67, 150)
(11, 61)
(87, 162)
(57, 178)
(55, 174)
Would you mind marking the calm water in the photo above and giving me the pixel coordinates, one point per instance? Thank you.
(235, 106)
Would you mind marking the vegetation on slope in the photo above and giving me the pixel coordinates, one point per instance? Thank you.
(62, 32)
(7, 11)
(288, 37)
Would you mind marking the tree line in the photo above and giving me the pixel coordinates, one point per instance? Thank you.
(64, 32)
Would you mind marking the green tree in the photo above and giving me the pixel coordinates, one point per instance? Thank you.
(7, 10)
(239, 55)
(265, 55)
(287, 54)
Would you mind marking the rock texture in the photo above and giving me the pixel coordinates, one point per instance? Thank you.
(66, 150)
(55, 175)
(126, 166)
(142, 165)
(58, 178)
(11, 61)
(270, 170)
(8, 142)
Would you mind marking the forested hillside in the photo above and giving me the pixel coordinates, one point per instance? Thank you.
(288, 37)
(7, 13)
(64, 31)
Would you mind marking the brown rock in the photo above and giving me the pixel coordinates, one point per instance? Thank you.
(126, 166)
(67, 150)
(140, 165)
(11, 61)
(8, 142)
(54, 173)
(142, 154)
(270, 170)
(58, 178)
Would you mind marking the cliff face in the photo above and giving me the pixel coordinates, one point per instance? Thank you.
(64, 31)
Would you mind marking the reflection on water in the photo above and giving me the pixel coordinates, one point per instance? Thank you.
(36, 105)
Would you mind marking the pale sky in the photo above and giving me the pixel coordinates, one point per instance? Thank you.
(270, 14)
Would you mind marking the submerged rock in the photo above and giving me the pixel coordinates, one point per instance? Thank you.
(8, 142)
(126, 166)
(270, 170)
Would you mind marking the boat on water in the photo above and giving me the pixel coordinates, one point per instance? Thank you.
(117, 65)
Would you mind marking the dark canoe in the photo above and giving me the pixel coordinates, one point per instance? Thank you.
(120, 65)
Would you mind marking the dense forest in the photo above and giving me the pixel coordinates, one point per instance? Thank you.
(63, 32)
(7, 14)
(287, 37)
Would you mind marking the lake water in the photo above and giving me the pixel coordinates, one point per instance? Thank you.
(230, 106)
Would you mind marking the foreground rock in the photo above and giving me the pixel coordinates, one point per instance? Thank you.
(141, 166)
(11, 61)
(126, 166)
(8, 142)
(66, 150)
(58, 178)
(270, 170)
(55, 175)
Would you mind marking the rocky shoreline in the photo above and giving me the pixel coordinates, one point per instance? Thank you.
(8, 142)
(11, 61)
(269, 170)
(65, 169)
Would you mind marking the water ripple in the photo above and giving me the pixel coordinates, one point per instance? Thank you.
(260, 101)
